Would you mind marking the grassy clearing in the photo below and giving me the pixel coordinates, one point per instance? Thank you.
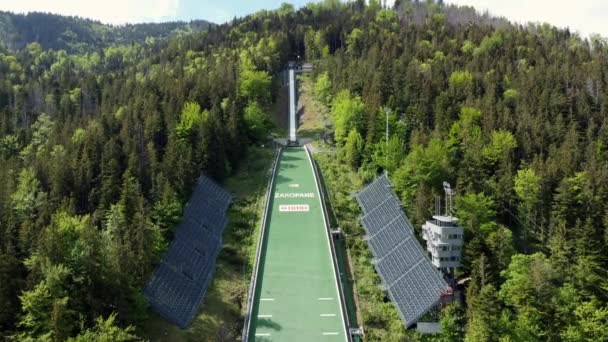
(313, 116)
(221, 315)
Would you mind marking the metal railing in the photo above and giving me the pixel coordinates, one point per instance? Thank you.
(334, 257)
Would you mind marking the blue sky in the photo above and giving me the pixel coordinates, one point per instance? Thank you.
(584, 16)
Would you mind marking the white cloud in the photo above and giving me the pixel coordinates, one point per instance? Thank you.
(583, 16)
(107, 11)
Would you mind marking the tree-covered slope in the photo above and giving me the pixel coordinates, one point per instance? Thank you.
(98, 155)
(515, 118)
(78, 35)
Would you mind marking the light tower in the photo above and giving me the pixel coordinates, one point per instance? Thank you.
(444, 237)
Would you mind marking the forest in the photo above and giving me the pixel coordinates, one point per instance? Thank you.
(78, 35)
(100, 145)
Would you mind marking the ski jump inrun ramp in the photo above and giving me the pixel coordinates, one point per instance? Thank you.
(295, 294)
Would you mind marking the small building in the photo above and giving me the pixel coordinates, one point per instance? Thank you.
(444, 238)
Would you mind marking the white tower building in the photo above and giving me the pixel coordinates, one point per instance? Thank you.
(444, 237)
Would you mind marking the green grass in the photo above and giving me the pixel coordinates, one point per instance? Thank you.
(314, 117)
(222, 312)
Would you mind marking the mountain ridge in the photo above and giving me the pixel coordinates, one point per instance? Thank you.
(79, 35)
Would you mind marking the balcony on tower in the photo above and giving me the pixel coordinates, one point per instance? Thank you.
(444, 239)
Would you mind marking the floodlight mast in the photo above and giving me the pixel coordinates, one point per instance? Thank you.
(449, 194)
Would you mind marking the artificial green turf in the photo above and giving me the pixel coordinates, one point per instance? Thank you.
(296, 268)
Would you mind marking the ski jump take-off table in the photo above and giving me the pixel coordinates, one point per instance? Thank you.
(295, 287)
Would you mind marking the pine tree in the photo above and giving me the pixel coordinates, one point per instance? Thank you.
(353, 149)
(527, 188)
(483, 315)
(107, 330)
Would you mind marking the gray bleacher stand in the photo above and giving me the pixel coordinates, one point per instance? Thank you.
(413, 284)
(178, 285)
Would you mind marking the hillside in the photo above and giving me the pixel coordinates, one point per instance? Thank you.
(78, 35)
(99, 151)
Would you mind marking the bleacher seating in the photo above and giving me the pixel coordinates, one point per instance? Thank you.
(374, 194)
(413, 284)
(178, 285)
(388, 238)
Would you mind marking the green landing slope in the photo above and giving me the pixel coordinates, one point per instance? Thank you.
(296, 298)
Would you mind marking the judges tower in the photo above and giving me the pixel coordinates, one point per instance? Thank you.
(444, 237)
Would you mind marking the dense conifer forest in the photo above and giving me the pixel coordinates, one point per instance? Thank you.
(102, 139)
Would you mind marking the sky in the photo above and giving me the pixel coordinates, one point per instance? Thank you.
(135, 11)
(583, 16)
